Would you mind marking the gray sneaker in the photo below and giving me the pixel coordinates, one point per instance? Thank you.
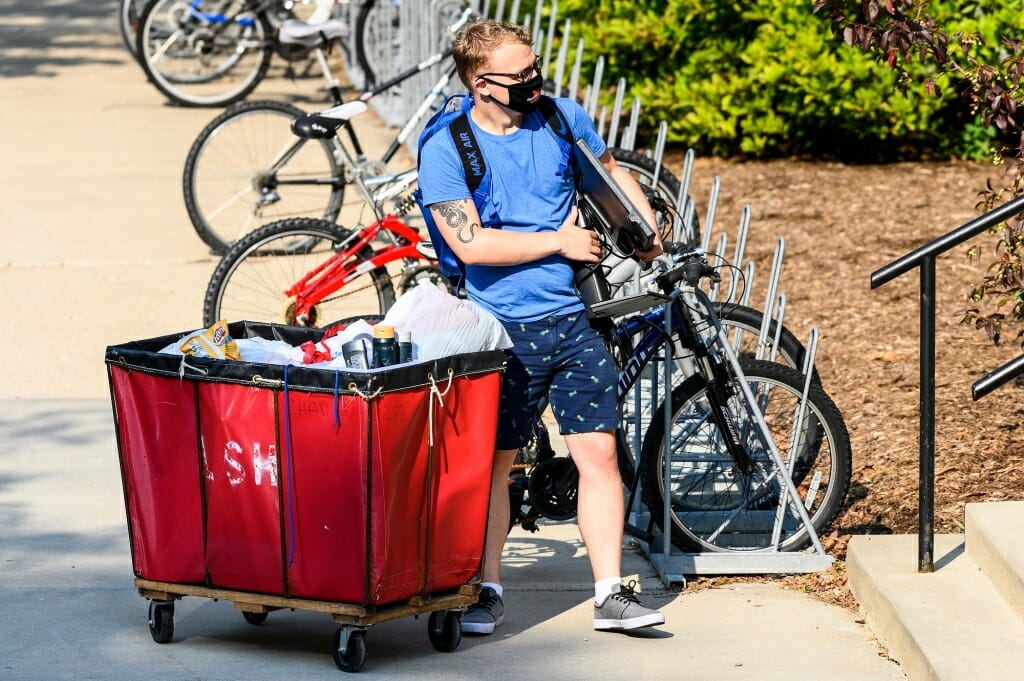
(484, 615)
(622, 611)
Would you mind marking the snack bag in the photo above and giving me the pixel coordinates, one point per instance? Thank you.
(215, 342)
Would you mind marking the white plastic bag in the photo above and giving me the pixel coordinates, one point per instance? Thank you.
(442, 325)
(265, 351)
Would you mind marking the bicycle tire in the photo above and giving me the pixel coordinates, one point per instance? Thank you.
(250, 280)
(233, 180)
(198, 64)
(128, 22)
(642, 168)
(745, 325)
(715, 506)
(368, 41)
(164, 26)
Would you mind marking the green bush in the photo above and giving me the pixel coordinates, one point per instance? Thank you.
(766, 78)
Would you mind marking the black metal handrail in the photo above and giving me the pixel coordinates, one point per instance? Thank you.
(989, 382)
(924, 257)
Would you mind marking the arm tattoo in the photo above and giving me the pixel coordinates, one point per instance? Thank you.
(454, 214)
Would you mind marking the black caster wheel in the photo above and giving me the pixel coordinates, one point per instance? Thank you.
(161, 621)
(445, 630)
(353, 657)
(256, 618)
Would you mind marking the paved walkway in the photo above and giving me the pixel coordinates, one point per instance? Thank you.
(97, 250)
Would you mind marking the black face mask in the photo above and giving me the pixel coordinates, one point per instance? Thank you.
(523, 97)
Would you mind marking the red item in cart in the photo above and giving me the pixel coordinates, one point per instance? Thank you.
(361, 487)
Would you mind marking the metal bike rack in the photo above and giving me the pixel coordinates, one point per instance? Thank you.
(673, 565)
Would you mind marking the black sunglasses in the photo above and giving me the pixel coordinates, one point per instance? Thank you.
(521, 77)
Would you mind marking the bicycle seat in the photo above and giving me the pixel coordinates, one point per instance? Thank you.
(322, 124)
(295, 32)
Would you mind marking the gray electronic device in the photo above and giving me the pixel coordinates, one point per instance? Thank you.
(617, 217)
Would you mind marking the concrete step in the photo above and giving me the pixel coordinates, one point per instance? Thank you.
(994, 543)
(949, 625)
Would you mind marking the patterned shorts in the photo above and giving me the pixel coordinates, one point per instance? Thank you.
(566, 359)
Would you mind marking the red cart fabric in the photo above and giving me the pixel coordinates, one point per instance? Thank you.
(355, 487)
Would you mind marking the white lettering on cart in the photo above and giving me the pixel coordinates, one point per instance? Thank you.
(262, 465)
(233, 464)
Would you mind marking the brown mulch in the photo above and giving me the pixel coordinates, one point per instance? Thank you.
(839, 224)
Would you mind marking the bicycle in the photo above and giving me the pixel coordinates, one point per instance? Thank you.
(294, 270)
(742, 427)
(246, 166)
(215, 52)
(129, 12)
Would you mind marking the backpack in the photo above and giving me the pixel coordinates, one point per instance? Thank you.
(454, 115)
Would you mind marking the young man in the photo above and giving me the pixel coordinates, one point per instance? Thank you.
(523, 274)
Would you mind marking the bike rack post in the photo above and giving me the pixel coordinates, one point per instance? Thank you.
(563, 56)
(748, 284)
(684, 177)
(709, 221)
(681, 227)
(659, 151)
(798, 424)
(536, 22)
(773, 285)
(777, 338)
(683, 199)
(602, 116)
(662, 561)
(552, 21)
(723, 240)
(741, 246)
(574, 76)
(613, 131)
(595, 87)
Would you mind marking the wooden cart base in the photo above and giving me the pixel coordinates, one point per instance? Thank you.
(444, 628)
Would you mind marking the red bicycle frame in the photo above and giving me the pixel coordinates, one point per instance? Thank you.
(344, 265)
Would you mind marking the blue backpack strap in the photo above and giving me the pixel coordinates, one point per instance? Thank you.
(474, 167)
(473, 164)
(558, 124)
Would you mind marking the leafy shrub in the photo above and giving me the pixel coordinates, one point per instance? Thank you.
(764, 78)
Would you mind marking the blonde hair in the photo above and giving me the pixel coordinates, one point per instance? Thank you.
(474, 44)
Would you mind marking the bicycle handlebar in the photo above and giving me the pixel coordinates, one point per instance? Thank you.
(692, 268)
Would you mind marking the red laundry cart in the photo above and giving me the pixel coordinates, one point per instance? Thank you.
(359, 494)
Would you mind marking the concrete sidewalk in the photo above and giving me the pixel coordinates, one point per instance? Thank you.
(68, 609)
(97, 250)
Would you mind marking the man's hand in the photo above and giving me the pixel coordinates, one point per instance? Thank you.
(653, 252)
(576, 243)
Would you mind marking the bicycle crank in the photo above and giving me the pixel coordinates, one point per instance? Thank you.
(554, 485)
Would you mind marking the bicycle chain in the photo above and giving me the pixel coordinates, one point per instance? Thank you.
(352, 291)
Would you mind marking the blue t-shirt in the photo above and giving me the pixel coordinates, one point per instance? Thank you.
(529, 195)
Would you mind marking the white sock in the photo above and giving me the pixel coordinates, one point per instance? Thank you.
(497, 587)
(603, 588)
